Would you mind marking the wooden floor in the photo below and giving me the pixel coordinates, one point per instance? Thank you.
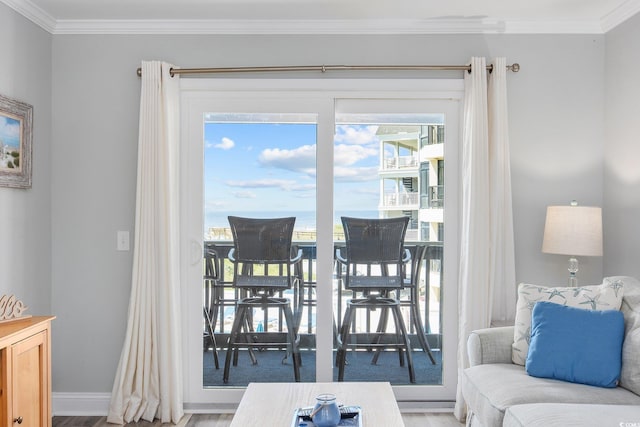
(209, 420)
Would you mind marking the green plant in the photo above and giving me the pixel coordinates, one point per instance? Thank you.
(15, 154)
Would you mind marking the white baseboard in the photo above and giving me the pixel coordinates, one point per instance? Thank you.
(80, 404)
(409, 407)
(97, 404)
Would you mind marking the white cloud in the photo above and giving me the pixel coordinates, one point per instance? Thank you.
(245, 194)
(258, 183)
(283, 184)
(225, 144)
(215, 204)
(359, 143)
(303, 187)
(345, 155)
(358, 135)
(351, 174)
(301, 159)
(303, 195)
(367, 191)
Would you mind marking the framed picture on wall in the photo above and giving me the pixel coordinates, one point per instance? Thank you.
(15, 143)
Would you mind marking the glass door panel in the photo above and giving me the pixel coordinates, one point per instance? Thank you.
(378, 166)
(258, 166)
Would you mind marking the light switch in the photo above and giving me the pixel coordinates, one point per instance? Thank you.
(123, 241)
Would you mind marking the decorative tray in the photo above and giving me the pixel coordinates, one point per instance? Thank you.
(351, 416)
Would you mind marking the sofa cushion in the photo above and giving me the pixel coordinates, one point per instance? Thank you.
(572, 344)
(564, 414)
(606, 296)
(490, 389)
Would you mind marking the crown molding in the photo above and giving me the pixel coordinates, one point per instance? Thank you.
(33, 13)
(279, 27)
(553, 27)
(619, 15)
(319, 27)
(328, 27)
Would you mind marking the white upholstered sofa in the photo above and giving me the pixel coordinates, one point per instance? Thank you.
(499, 392)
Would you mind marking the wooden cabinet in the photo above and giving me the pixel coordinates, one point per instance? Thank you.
(25, 372)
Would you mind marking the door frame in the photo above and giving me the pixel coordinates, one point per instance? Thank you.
(199, 96)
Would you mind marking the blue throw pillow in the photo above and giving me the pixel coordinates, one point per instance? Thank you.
(574, 344)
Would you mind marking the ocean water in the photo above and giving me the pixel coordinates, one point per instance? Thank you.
(305, 220)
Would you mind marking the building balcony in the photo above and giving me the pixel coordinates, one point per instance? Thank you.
(412, 235)
(400, 200)
(401, 162)
(432, 151)
(436, 196)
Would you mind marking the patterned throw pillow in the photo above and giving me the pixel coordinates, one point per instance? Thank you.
(607, 296)
(630, 375)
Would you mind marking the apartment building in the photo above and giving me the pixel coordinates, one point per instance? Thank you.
(412, 177)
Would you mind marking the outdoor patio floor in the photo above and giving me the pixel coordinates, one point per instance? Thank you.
(270, 368)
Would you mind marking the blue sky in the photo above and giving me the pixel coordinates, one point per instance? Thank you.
(10, 131)
(271, 167)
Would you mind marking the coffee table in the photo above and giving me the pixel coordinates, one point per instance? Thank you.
(273, 404)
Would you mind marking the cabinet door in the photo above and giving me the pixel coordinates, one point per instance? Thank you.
(29, 381)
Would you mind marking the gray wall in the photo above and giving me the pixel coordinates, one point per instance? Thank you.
(556, 128)
(25, 214)
(58, 252)
(621, 169)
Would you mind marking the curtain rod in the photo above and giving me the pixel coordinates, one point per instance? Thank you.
(324, 68)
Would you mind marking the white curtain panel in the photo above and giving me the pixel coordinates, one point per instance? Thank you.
(148, 381)
(486, 274)
(502, 278)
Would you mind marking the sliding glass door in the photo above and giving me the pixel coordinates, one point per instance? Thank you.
(317, 151)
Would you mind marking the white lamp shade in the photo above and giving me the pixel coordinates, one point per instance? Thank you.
(573, 230)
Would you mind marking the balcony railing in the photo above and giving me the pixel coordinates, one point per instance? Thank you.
(412, 234)
(400, 199)
(400, 162)
(436, 196)
(304, 301)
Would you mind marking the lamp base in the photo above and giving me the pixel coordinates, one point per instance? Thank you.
(573, 270)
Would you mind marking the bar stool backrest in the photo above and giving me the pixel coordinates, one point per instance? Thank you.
(374, 242)
(266, 242)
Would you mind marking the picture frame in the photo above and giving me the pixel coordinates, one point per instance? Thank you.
(16, 127)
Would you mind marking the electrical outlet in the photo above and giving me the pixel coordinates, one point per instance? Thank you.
(123, 241)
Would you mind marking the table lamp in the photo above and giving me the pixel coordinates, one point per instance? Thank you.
(575, 231)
